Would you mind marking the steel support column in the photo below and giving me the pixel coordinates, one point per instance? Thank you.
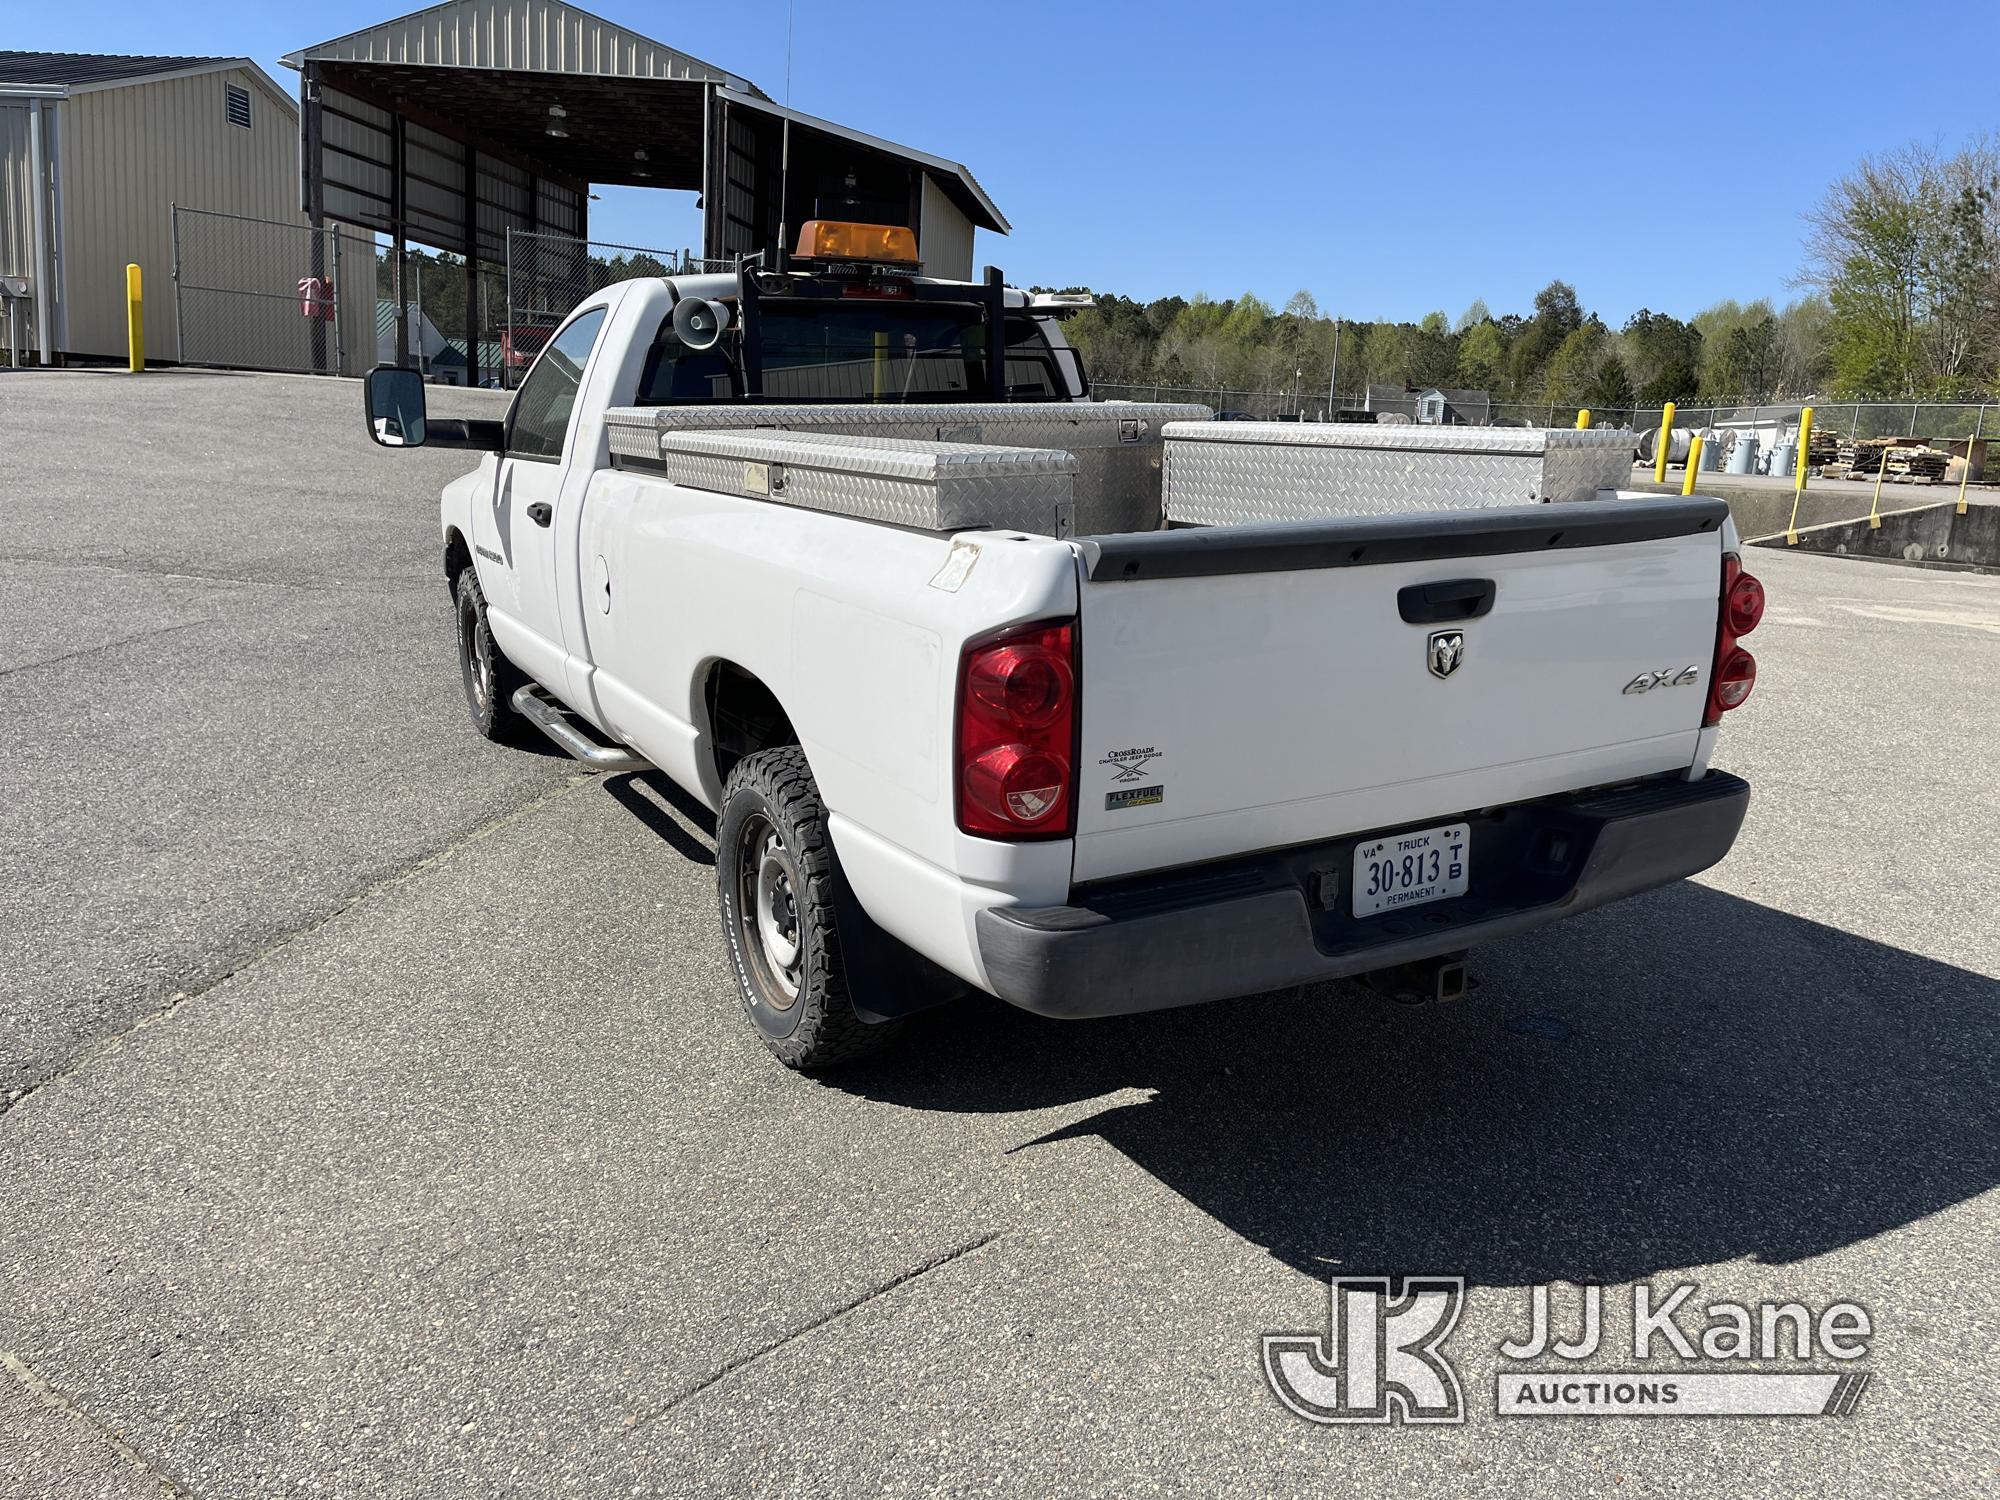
(313, 191)
(472, 373)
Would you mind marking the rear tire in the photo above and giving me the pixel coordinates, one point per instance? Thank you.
(775, 890)
(489, 679)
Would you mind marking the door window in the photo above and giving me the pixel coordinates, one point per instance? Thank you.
(539, 421)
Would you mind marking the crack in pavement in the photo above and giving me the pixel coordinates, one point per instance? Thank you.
(264, 581)
(61, 1403)
(880, 1289)
(105, 1045)
(102, 646)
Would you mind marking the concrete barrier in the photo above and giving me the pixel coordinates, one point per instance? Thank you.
(1762, 507)
(1924, 533)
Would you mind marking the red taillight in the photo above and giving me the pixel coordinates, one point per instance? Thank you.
(1017, 733)
(1734, 678)
(1745, 605)
(1735, 670)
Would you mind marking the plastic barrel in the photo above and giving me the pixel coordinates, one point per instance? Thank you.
(1781, 459)
(1743, 457)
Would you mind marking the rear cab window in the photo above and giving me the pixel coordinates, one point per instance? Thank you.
(865, 350)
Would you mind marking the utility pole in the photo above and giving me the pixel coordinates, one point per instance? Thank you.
(1333, 375)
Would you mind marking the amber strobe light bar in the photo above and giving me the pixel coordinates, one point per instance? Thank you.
(857, 244)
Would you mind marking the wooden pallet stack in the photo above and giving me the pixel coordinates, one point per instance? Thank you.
(1898, 460)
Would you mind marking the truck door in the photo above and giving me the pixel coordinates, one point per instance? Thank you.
(522, 597)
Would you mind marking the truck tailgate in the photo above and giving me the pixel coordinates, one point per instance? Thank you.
(1246, 688)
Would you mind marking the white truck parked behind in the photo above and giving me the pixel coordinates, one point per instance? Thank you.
(971, 715)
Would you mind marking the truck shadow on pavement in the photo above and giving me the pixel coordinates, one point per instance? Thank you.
(667, 811)
(1682, 1079)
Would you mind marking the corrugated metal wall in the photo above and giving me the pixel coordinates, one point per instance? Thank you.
(127, 153)
(527, 34)
(944, 238)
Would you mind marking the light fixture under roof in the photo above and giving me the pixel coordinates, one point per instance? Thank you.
(557, 125)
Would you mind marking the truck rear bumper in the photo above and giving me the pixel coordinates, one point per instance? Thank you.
(1245, 926)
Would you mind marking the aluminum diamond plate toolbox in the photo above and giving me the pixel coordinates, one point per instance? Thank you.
(1117, 444)
(1227, 473)
(925, 485)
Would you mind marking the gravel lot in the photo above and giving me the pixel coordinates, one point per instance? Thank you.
(379, 1120)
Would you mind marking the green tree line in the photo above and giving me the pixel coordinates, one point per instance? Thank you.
(1558, 352)
(1900, 298)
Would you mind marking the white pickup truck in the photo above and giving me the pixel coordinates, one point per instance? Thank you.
(1091, 771)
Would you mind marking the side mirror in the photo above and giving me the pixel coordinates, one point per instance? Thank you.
(393, 400)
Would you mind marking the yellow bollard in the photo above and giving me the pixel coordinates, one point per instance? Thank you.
(1965, 473)
(1583, 419)
(1664, 445)
(1694, 464)
(135, 321)
(1799, 476)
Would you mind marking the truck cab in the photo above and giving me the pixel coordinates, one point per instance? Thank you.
(853, 322)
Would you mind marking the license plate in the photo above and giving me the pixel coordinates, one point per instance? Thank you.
(1409, 869)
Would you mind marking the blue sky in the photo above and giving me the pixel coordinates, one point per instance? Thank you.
(1389, 159)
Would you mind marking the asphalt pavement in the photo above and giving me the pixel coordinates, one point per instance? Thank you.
(380, 1120)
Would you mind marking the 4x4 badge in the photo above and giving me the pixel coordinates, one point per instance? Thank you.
(1445, 651)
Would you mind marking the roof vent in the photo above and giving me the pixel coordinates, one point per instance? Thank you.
(236, 104)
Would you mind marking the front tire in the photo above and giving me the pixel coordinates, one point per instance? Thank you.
(488, 677)
(775, 890)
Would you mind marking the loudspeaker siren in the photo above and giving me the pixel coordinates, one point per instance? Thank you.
(700, 323)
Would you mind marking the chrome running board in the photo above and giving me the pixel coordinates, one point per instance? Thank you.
(534, 704)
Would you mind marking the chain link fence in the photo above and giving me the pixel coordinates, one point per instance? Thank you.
(548, 274)
(263, 294)
(437, 309)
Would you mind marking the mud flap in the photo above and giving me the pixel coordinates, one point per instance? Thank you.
(886, 978)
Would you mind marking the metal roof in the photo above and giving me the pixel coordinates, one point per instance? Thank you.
(72, 68)
(85, 72)
(56, 74)
(971, 196)
(528, 36)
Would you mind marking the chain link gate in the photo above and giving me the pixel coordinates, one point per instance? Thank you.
(262, 294)
(548, 274)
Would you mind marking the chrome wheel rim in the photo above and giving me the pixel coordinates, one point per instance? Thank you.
(476, 658)
(768, 903)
